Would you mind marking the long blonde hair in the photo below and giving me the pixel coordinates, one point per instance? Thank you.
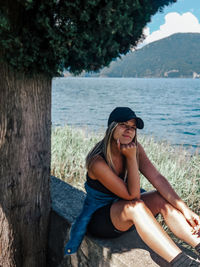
(103, 148)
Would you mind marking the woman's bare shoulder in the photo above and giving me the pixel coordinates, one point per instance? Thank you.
(97, 166)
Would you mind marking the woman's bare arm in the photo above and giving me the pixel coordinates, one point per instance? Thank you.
(163, 186)
(102, 172)
(158, 180)
(133, 179)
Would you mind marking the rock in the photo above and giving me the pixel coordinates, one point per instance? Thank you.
(127, 250)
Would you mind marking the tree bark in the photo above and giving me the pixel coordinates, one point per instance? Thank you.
(25, 128)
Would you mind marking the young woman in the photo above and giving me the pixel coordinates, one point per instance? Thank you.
(115, 202)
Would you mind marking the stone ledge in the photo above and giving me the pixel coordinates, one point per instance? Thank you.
(127, 250)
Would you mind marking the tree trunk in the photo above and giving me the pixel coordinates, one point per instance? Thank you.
(25, 128)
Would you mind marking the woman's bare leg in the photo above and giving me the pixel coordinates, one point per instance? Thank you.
(126, 213)
(173, 217)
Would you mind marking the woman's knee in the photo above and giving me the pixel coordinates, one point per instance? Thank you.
(162, 204)
(132, 207)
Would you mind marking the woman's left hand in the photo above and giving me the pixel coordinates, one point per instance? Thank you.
(193, 219)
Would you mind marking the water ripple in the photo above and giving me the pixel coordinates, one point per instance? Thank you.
(170, 107)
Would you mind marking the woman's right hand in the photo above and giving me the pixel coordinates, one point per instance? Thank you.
(128, 150)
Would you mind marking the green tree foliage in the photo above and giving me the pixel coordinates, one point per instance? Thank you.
(46, 36)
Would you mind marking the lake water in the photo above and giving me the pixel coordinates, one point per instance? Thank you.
(170, 108)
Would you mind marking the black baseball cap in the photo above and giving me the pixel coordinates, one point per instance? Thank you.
(122, 114)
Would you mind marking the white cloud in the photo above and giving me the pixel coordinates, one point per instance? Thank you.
(174, 23)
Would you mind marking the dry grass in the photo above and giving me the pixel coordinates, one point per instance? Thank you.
(71, 145)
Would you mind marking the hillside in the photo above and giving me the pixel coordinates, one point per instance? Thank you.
(175, 56)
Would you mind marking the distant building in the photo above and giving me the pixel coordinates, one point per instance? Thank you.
(196, 75)
(172, 74)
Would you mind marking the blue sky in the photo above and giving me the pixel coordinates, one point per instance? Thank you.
(182, 16)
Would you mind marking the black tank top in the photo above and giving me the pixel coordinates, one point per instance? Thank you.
(95, 184)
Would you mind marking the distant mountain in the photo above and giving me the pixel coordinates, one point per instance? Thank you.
(175, 56)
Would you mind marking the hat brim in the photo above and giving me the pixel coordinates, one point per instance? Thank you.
(139, 123)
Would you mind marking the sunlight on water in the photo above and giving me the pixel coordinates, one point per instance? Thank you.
(170, 108)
